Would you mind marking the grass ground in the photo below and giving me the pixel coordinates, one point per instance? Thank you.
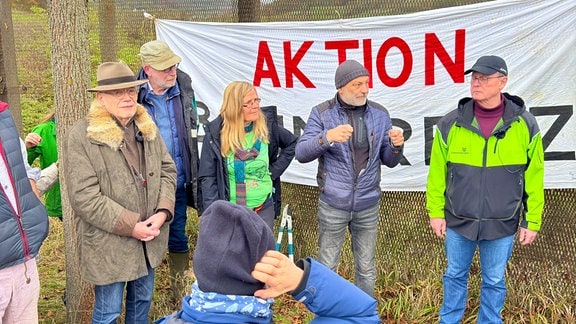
(53, 284)
(403, 296)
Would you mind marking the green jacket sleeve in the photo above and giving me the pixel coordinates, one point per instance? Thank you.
(436, 184)
(534, 185)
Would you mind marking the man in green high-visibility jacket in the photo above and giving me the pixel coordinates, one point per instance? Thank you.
(486, 178)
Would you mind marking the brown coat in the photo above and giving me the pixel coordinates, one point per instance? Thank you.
(106, 196)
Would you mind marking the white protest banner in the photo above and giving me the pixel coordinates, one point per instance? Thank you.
(417, 62)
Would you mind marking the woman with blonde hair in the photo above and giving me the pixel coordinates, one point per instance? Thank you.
(244, 152)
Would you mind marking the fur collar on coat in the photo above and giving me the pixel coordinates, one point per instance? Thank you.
(104, 128)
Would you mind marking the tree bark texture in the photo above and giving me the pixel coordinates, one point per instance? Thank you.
(248, 10)
(68, 21)
(9, 89)
(107, 35)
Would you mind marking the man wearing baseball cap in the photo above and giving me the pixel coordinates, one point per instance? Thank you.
(169, 98)
(351, 137)
(489, 65)
(486, 179)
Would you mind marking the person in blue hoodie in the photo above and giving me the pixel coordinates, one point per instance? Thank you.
(238, 274)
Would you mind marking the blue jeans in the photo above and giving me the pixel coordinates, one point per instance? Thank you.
(494, 255)
(108, 300)
(363, 226)
(177, 239)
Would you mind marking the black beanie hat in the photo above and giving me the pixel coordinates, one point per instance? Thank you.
(348, 71)
(232, 239)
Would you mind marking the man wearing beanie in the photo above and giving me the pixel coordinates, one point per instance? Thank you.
(496, 187)
(238, 274)
(169, 98)
(351, 137)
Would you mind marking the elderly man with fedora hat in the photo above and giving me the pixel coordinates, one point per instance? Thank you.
(169, 98)
(121, 186)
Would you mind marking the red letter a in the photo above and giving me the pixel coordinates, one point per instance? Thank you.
(265, 57)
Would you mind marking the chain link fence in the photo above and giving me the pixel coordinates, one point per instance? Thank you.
(406, 245)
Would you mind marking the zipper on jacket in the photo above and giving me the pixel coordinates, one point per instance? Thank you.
(18, 217)
(499, 134)
(24, 237)
(483, 177)
(345, 119)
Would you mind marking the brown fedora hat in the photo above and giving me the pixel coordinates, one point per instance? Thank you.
(115, 75)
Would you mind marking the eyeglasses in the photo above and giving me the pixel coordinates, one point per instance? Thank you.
(170, 69)
(482, 79)
(251, 103)
(119, 93)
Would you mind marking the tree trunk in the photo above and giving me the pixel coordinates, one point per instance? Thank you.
(107, 21)
(9, 90)
(248, 10)
(71, 75)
